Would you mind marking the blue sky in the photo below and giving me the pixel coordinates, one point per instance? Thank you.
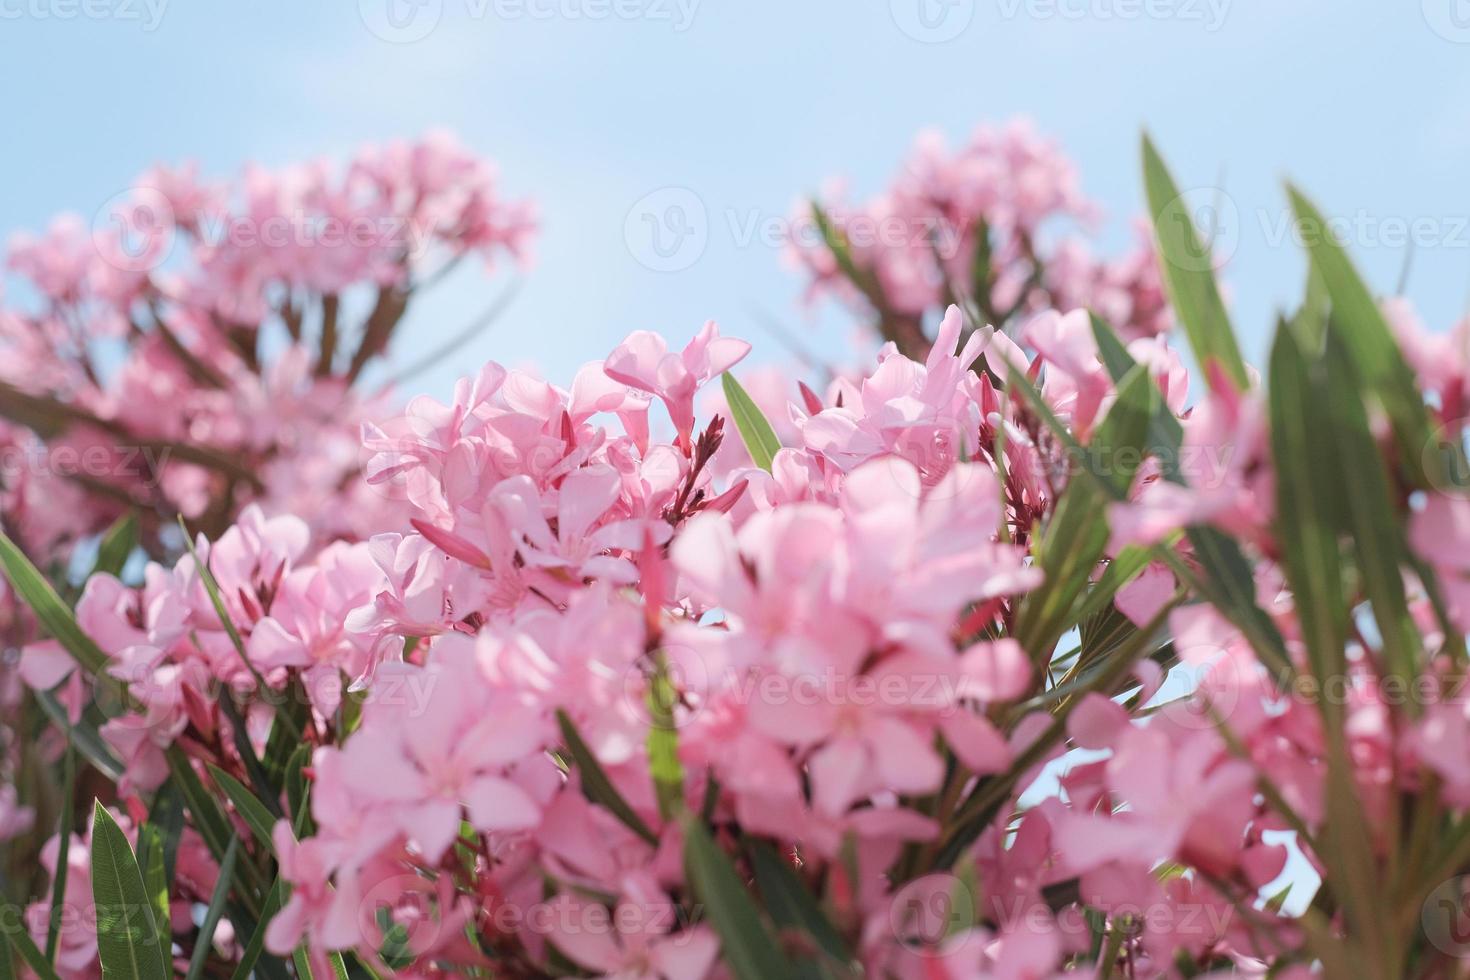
(591, 105)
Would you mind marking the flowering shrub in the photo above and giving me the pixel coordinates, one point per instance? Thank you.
(200, 346)
(990, 226)
(1010, 658)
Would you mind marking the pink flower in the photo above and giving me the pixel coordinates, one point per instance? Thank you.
(630, 941)
(643, 361)
(441, 745)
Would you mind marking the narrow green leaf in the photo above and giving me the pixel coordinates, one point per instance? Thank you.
(1310, 320)
(7, 954)
(663, 742)
(167, 817)
(63, 840)
(256, 945)
(246, 750)
(1229, 582)
(16, 937)
(204, 942)
(595, 784)
(298, 793)
(127, 932)
(747, 945)
(83, 734)
(1189, 274)
(982, 272)
(283, 742)
(1165, 434)
(790, 904)
(116, 545)
(1305, 451)
(1074, 539)
(52, 613)
(837, 244)
(1374, 526)
(213, 825)
(1357, 318)
(211, 587)
(155, 880)
(257, 817)
(979, 808)
(759, 438)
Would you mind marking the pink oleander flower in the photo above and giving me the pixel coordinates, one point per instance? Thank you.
(643, 361)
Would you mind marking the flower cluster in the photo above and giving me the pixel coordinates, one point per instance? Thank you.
(819, 642)
(1010, 657)
(978, 225)
(199, 346)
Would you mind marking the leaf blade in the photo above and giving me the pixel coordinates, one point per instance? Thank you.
(1188, 272)
(755, 430)
(128, 950)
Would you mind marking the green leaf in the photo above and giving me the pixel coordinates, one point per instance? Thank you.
(837, 244)
(1229, 583)
(257, 817)
(747, 945)
(663, 741)
(979, 808)
(256, 946)
(213, 825)
(63, 840)
(284, 740)
(7, 954)
(83, 734)
(116, 545)
(1310, 321)
(15, 936)
(1305, 452)
(1309, 521)
(1189, 275)
(127, 933)
(211, 587)
(298, 793)
(982, 271)
(1074, 539)
(167, 817)
(204, 942)
(1358, 320)
(52, 613)
(155, 877)
(1165, 434)
(595, 784)
(759, 438)
(1373, 524)
(790, 904)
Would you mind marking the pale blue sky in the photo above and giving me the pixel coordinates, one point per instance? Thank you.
(589, 105)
